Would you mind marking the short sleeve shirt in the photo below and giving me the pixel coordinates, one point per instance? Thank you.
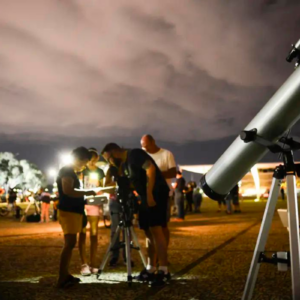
(134, 166)
(66, 203)
(92, 178)
(180, 185)
(165, 161)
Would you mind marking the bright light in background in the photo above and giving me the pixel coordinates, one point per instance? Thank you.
(255, 175)
(66, 159)
(52, 172)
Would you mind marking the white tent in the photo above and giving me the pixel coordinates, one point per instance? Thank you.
(202, 169)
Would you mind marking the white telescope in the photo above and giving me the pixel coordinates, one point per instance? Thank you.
(277, 116)
(280, 113)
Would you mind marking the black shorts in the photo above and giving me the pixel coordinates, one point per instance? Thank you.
(156, 215)
(235, 200)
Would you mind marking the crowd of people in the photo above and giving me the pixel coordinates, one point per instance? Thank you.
(150, 170)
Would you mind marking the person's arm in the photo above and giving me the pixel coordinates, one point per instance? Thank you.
(68, 189)
(169, 174)
(108, 181)
(150, 172)
(175, 184)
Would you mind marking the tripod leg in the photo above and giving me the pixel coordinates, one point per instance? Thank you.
(37, 209)
(105, 258)
(262, 238)
(294, 234)
(136, 241)
(128, 254)
(25, 212)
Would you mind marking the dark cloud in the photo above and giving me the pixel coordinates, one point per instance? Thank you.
(183, 71)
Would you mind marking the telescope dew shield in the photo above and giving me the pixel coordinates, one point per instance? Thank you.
(280, 113)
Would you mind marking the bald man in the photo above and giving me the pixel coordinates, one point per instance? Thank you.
(166, 163)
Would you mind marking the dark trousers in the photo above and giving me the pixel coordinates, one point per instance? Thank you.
(197, 202)
(179, 202)
(54, 214)
(189, 203)
(115, 209)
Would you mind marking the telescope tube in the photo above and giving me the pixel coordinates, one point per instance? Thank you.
(280, 113)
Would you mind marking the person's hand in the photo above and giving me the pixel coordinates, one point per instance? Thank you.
(150, 200)
(135, 220)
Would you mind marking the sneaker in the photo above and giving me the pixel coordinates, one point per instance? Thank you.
(85, 270)
(113, 262)
(94, 271)
(160, 279)
(144, 276)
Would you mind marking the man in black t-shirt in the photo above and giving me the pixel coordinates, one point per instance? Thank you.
(148, 181)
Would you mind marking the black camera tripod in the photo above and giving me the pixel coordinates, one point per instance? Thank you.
(130, 239)
(127, 199)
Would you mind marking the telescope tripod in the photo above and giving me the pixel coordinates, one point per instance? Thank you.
(130, 237)
(37, 209)
(292, 259)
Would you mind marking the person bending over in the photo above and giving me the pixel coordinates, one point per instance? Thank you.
(148, 181)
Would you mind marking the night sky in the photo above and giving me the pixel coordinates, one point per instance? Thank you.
(86, 72)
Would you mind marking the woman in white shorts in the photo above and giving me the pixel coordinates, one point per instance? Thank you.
(92, 176)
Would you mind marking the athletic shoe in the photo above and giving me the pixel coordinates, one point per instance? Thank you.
(144, 276)
(160, 279)
(85, 270)
(94, 271)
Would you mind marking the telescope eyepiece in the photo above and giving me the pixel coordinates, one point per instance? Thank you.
(248, 135)
(294, 53)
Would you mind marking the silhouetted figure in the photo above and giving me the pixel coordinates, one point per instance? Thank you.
(282, 193)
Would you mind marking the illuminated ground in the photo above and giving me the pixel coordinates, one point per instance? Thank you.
(210, 256)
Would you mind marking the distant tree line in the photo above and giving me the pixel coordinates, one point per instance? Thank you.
(19, 174)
